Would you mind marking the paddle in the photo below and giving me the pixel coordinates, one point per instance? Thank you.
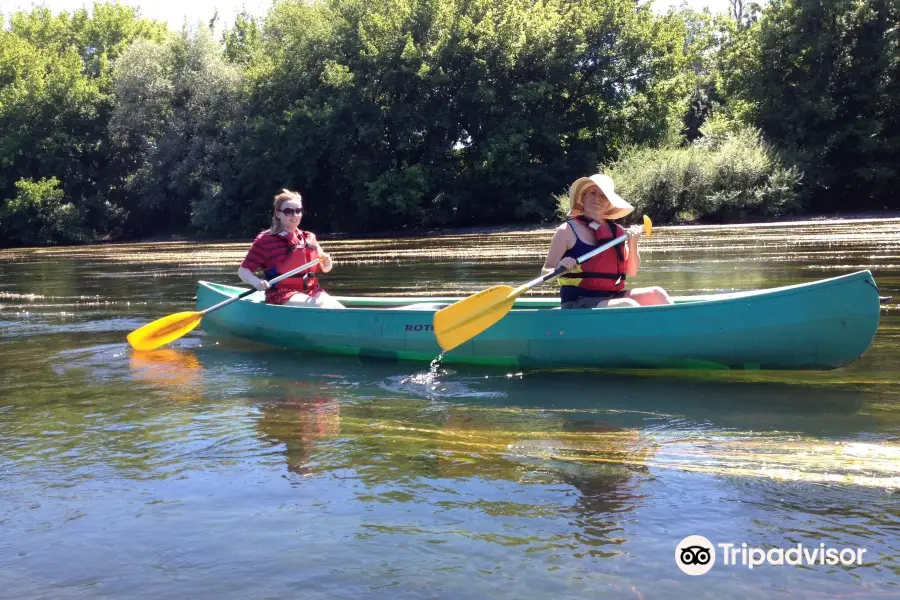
(164, 330)
(468, 317)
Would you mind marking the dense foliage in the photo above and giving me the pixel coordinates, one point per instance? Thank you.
(392, 114)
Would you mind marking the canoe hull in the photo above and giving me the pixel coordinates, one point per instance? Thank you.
(819, 325)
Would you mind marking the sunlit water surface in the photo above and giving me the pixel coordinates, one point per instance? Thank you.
(219, 469)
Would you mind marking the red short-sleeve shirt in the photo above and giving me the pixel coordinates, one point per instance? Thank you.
(266, 251)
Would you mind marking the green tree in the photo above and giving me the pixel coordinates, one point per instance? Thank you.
(39, 214)
(822, 79)
(448, 112)
(243, 41)
(173, 106)
(54, 105)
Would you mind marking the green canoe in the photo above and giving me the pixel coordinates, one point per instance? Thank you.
(819, 325)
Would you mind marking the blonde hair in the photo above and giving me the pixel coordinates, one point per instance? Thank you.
(280, 198)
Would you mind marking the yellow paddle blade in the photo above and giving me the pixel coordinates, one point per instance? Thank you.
(463, 320)
(162, 331)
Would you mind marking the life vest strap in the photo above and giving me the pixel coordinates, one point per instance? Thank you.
(594, 225)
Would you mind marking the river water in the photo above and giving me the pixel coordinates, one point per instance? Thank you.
(221, 469)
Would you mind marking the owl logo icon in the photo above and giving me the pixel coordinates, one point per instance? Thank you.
(695, 555)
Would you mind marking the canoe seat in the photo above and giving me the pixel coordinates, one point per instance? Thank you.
(431, 306)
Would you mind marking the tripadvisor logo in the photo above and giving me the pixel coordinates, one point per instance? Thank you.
(696, 555)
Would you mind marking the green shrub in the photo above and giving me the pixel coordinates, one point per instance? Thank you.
(728, 175)
(39, 214)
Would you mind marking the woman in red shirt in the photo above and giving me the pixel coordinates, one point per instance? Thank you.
(283, 247)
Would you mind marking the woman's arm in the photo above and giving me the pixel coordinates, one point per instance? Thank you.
(247, 276)
(252, 263)
(633, 256)
(558, 245)
(326, 265)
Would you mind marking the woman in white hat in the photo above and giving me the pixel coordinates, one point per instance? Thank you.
(599, 281)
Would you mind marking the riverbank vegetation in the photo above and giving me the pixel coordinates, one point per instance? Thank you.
(414, 114)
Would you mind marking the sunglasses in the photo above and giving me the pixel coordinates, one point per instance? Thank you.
(291, 211)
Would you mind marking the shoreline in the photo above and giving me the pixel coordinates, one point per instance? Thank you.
(495, 229)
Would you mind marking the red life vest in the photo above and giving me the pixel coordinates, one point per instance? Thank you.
(605, 271)
(299, 252)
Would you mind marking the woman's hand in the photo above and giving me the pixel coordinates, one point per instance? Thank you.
(568, 263)
(634, 231)
(252, 280)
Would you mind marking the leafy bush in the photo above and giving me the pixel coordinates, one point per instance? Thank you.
(39, 214)
(730, 174)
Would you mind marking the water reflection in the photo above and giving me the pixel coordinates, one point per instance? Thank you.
(238, 470)
(297, 422)
(176, 372)
(625, 400)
